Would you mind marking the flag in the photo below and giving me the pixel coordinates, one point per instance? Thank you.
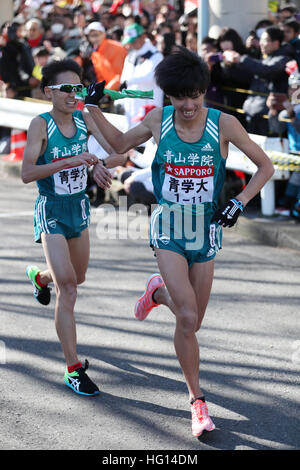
(115, 5)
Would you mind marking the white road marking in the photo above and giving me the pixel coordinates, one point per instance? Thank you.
(15, 214)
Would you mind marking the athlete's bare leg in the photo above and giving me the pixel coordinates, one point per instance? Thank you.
(45, 277)
(60, 256)
(80, 254)
(188, 304)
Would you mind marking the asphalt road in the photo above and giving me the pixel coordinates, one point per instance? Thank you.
(249, 344)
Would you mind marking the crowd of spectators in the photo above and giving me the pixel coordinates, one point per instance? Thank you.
(121, 42)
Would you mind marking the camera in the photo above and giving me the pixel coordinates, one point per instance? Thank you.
(215, 58)
(12, 32)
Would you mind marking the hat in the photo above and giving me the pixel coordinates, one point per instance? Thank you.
(132, 32)
(94, 26)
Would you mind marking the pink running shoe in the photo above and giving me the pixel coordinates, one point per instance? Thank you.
(200, 419)
(145, 303)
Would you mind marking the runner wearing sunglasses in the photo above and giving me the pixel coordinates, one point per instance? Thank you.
(57, 158)
(67, 87)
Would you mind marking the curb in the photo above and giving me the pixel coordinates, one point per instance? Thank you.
(10, 168)
(277, 232)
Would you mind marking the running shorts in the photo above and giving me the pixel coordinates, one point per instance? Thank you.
(68, 216)
(192, 235)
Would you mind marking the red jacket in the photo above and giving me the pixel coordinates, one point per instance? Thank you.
(108, 62)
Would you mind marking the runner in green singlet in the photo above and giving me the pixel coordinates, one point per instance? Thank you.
(187, 173)
(56, 157)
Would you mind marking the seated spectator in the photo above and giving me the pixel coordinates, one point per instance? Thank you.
(266, 75)
(108, 56)
(291, 29)
(287, 121)
(138, 186)
(137, 180)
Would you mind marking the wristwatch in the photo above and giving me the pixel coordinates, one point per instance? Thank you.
(103, 161)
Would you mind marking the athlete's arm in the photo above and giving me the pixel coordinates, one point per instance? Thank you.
(101, 174)
(232, 131)
(93, 129)
(122, 142)
(35, 145)
(114, 159)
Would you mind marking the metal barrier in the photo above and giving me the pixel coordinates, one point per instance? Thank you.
(17, 114)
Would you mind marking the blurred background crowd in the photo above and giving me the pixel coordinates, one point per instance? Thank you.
(121, 41)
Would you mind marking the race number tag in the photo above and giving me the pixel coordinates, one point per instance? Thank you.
(70, 180)
(187, 184)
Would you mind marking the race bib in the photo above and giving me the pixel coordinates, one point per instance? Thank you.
(186, 184)
(70, 180)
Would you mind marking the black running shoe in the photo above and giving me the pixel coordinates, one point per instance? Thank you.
(41, 294)
(80, 382)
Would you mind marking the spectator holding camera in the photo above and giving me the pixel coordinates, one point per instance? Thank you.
(210, 54)
(230, 43)
(266, 75)
(252, 41)
(286, 119)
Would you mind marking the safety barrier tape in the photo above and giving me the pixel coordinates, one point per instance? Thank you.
(284, 161)
(241, 111)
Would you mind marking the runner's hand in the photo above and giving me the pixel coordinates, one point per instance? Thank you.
(228, 214)
(94, 93)
(84, 158)
(102, 176)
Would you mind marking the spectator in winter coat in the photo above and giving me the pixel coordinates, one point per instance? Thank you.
(267, 75)
(16, 61)
(138, 72)
(291, 29)
(108, 56)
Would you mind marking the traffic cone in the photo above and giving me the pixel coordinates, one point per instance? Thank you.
(17, 145)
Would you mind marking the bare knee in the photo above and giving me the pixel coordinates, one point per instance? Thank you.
(186, 321)
(67, 290)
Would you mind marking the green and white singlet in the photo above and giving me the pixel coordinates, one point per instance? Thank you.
(187, 180)
(62, 205)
